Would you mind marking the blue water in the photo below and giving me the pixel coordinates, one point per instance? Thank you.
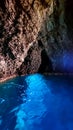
(37, 102)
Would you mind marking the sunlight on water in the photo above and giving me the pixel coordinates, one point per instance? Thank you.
(37, 102)
(34, 109)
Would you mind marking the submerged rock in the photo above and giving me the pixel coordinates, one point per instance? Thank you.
(27, 27)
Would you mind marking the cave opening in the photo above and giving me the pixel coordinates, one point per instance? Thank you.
(46, 64)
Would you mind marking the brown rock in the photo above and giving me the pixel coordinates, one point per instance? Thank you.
(20, 22)
(23, 23)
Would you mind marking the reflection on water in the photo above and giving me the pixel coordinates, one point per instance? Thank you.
(37, 102)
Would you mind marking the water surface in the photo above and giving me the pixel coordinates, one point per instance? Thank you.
(37, 102)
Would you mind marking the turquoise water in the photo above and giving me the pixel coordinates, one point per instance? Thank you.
(37, 102)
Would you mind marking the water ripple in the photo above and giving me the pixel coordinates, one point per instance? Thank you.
(37, 102)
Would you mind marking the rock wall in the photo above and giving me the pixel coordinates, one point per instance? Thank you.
(27, 27)
(56, 34)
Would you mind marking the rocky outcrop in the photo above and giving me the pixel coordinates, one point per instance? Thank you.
(27, 27)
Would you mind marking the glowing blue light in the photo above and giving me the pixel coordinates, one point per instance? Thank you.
(64, 62)
(41, 103)
(21, 120)
(34, 108)
(2, 100)
(68, 61)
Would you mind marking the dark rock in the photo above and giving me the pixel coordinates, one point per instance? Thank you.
(46, 64)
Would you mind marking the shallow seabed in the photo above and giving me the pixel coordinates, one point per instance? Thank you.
(37, 102)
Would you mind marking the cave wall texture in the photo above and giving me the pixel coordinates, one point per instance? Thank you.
(35, 34)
